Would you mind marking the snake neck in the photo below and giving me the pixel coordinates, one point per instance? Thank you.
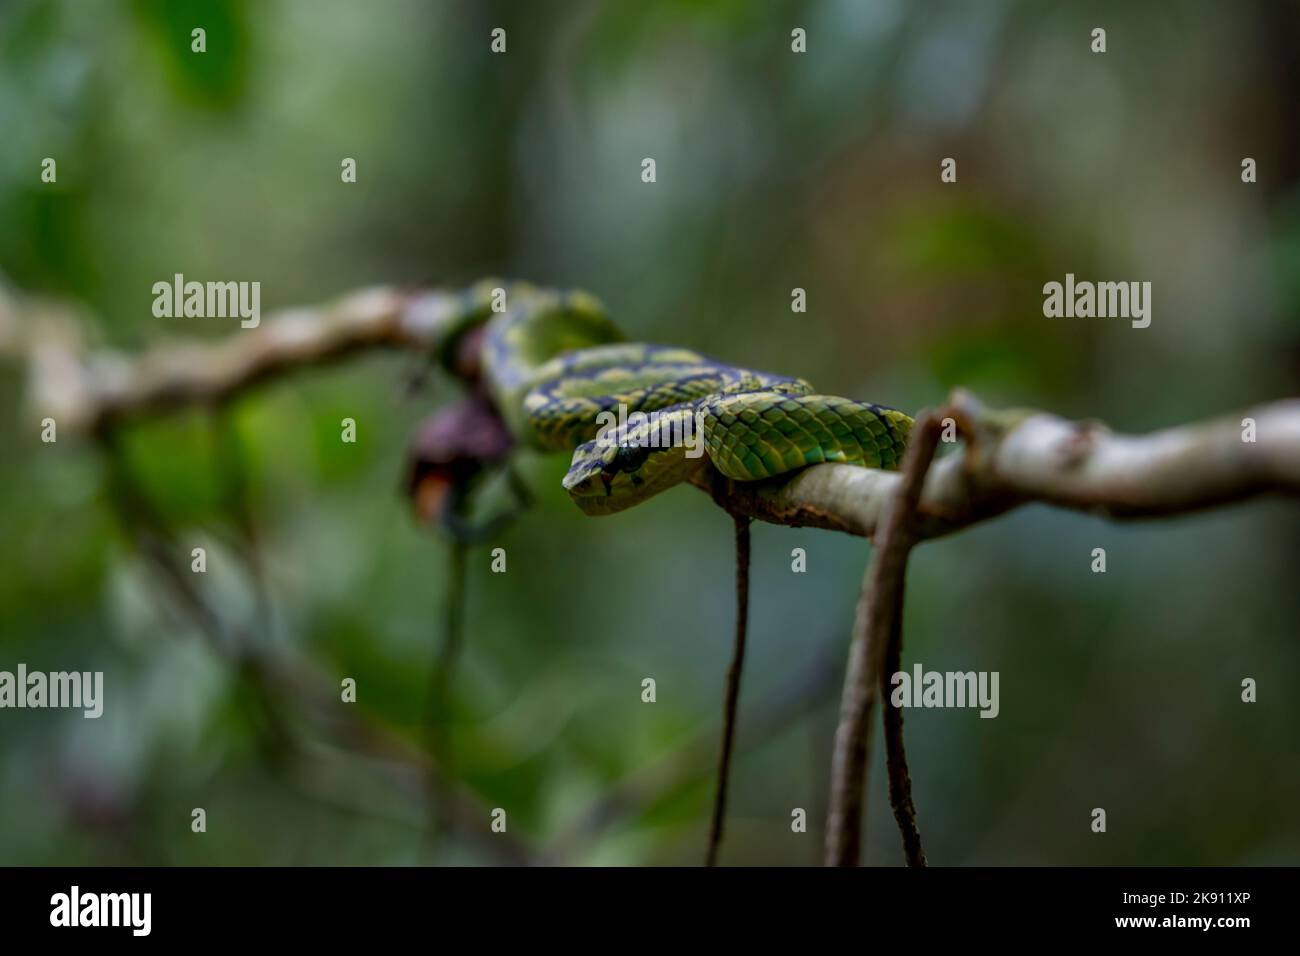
(526, 334)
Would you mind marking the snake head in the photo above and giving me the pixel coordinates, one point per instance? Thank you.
(600, 477)
(607, 476)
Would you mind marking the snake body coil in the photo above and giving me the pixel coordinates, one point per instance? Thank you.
(641, 418)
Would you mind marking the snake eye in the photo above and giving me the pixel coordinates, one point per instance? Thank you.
(630, 457)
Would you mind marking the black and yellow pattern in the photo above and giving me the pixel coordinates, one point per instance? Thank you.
(559, 369)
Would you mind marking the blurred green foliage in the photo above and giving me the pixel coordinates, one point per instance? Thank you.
(775, 170)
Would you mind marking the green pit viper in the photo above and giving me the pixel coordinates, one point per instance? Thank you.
(558, 369)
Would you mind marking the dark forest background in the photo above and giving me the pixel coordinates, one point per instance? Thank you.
(775, 170)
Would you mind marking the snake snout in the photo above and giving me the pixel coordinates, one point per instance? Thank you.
(583, 484)
(576, 484)
(590, 486)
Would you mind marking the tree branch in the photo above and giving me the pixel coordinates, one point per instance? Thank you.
(83, 391)
(1020, 456)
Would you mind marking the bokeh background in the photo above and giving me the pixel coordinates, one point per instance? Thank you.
(775, 170)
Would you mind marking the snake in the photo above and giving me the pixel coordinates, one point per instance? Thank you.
(641, 418)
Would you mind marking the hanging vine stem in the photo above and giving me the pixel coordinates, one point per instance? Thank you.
(731, 697)
(877, 638)
(439, 709)
(900, 780)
